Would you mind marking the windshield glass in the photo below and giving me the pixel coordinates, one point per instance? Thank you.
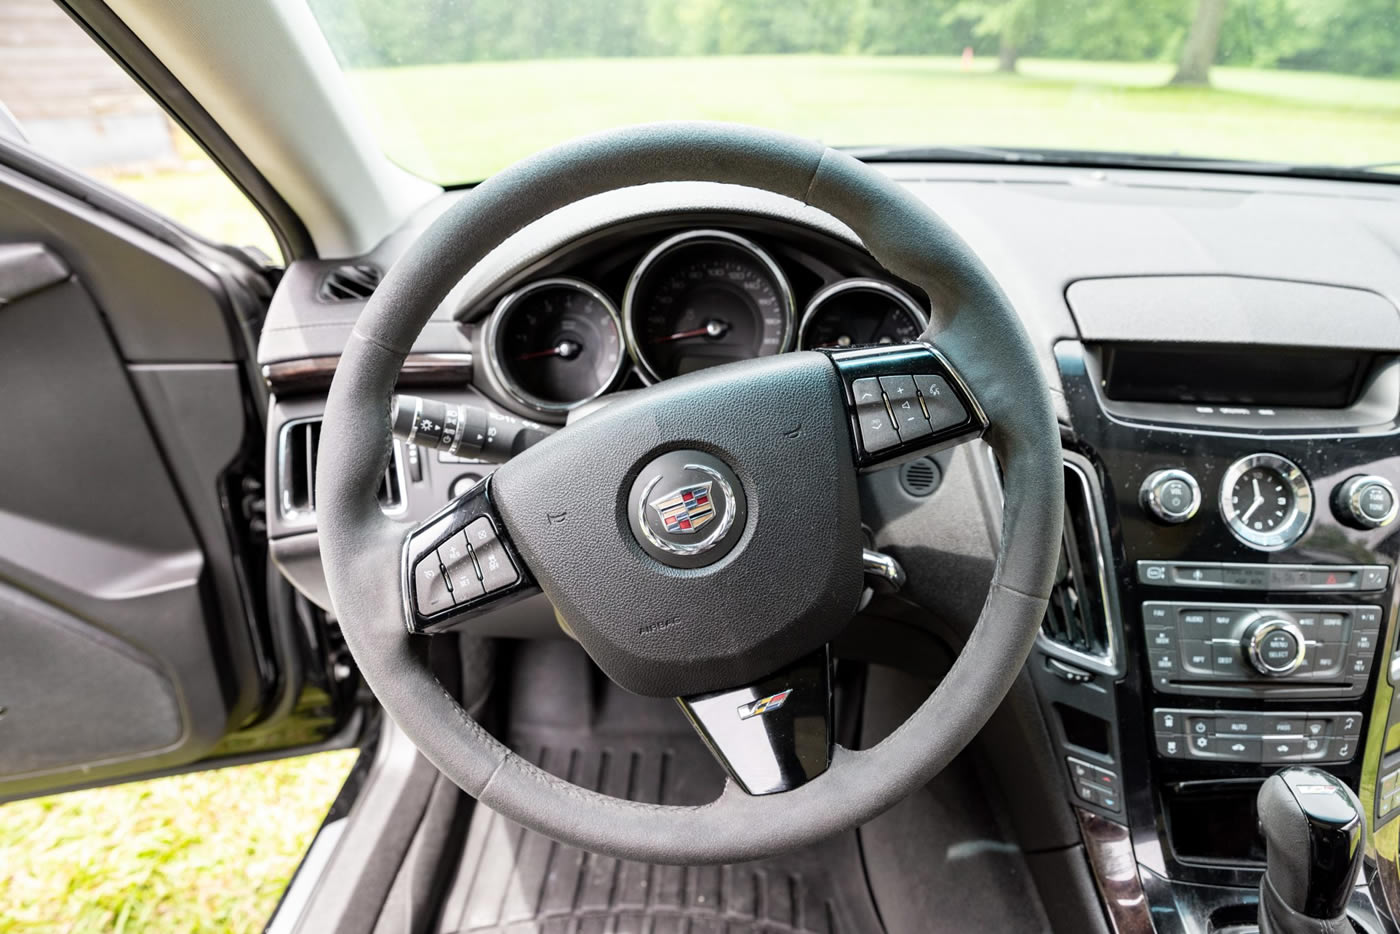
(457, 89)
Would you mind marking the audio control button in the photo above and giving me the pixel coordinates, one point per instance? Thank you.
(1274, 646)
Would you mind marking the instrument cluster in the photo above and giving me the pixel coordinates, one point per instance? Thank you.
(694, 299)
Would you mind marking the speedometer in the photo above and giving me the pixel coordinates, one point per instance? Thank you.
(860, 311)
(702, 298)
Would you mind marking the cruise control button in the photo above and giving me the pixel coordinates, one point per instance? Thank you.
(462, 579)
(944, 410)
(430, 587)
(497, 571)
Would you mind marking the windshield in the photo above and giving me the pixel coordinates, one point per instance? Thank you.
(458, 89)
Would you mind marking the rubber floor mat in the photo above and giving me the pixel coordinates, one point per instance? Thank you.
(514, 881)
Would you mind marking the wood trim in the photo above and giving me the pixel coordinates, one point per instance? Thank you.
(312, 374)
(1111, 858)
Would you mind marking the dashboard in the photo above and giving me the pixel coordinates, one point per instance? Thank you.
(638, 307)
(1227, 381)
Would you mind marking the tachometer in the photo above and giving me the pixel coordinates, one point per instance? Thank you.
(702, 298)
(555, 344)
(860, 311)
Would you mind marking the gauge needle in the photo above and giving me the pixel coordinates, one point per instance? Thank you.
(566, 349)
(1258, 501)
(712, 328)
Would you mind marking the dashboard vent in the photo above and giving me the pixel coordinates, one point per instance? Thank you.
(1078, 621)
(352, 283)
(296, 473)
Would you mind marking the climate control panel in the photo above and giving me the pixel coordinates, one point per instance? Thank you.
(1256, 736)
(1218, 648)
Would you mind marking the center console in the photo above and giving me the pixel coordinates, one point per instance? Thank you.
(1227, 611)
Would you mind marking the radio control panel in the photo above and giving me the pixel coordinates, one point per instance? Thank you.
(1260, 650)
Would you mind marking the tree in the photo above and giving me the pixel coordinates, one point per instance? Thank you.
(1012, 22)
(1202, 43)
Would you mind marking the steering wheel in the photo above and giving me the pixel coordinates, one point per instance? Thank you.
(701, 538)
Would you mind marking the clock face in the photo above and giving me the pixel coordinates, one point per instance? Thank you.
(1266, 501)
(1263, 499)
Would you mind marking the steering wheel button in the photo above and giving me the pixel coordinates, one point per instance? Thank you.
(877, 432)
(944, 409)
(461, 573)
(497, 571)
(430, 587)
(867, 392)
(898, 388)
(909, 416)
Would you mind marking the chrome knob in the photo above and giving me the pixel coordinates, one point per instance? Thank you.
(1170, 496)
(1365, 502)
(1274, 646)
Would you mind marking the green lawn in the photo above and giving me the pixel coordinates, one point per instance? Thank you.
(463, 122)
(209, 852)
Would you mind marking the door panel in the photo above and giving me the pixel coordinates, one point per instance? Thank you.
(134, 613)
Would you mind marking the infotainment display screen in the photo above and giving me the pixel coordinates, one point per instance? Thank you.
(1232, 375)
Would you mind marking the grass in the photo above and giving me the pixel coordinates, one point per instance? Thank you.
(206, 852)
(462, 122)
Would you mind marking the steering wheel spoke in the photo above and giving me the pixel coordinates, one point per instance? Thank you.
(904, 401)
(772, 735)
(459, 563)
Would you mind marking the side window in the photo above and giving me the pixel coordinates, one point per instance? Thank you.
(66, 98)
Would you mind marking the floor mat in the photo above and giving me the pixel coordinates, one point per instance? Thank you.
(514, 881)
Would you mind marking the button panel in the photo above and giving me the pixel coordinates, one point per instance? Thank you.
(1190, 645)
(900, 409)
(1256, 736)
(1388, 793)
(1094, 784)
(458, 562)
(1321, 578)
(904, 399)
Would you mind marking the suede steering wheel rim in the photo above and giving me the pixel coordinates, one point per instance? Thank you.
(976, 330)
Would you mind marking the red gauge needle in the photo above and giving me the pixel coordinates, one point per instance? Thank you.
(566, 349)
(712, 328)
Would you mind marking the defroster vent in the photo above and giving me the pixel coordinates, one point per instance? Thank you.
(296, 473)
(1079, 621)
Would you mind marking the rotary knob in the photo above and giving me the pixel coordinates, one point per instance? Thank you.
(1274, 646)
(1170, 496)
(1365, 502)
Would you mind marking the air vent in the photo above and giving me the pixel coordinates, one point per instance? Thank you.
(349, 283)
(920, 477)
(296, 473)
(1078, 623)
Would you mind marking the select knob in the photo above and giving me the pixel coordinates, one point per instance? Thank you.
(1274, 646)
(1170, 496)
(1365, 502)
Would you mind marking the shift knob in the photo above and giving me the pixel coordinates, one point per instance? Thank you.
(1315, 831)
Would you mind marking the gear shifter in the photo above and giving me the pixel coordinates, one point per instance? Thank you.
(1315, 831)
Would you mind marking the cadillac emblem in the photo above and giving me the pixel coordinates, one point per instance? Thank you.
(687, 510)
